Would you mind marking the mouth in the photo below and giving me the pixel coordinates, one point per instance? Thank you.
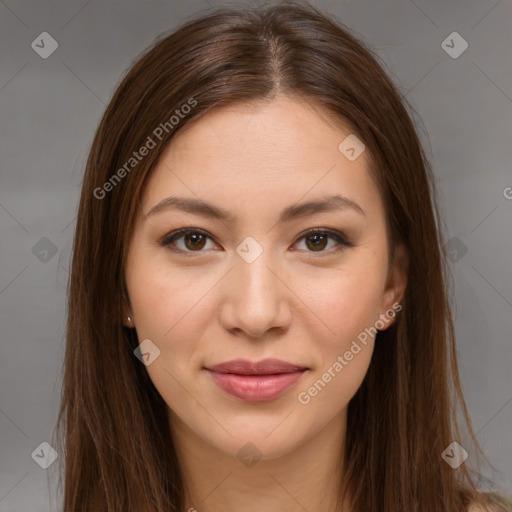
(256, 381)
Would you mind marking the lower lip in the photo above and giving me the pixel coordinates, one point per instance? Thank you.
(256, 388)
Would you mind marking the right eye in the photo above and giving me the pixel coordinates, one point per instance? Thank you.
(186, 240)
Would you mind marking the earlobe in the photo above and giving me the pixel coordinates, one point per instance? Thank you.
(127, 315)
(128, 322)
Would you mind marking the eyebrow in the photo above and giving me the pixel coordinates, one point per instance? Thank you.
(204, 209)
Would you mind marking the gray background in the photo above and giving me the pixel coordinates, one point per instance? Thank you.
(50, 108)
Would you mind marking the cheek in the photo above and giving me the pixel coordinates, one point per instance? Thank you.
(346, 303)
(162, 300)
(167, 306)
(348, 306)
(172, 309)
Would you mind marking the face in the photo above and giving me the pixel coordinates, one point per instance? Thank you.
(257, 284)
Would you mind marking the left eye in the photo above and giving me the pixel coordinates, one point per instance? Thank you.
(194, 240)
(318, 239)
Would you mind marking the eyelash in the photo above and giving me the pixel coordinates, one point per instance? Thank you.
(335, 235)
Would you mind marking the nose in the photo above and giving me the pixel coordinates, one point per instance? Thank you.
(256, 298)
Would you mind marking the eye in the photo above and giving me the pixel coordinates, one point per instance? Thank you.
(194, 240)
(317, 239)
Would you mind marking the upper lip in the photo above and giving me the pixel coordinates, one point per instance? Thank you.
(264, 367)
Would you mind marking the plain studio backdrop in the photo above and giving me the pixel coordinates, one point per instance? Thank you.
(52, 95)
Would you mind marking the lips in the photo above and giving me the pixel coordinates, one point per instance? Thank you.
(256, 381)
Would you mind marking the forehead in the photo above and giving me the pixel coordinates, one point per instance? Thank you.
(269, 153)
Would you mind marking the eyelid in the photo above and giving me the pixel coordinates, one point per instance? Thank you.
(336, 235)
(339, 236)
(170, 237)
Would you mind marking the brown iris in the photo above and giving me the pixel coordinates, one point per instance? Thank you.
(197, 241)
(319, 242)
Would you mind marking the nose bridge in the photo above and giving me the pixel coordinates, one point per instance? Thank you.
(256, 299)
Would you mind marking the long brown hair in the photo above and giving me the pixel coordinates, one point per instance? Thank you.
(117, 447)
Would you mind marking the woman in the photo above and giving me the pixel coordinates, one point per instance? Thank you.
(258, 314)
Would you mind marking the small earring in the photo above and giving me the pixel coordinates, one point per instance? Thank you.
(129, 320)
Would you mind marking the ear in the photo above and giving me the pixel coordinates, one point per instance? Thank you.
(396, 283)
(128, 320)
(127, 316)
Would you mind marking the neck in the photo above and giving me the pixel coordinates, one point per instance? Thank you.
(307, 477)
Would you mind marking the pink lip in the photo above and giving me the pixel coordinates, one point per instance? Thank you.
(256, 381)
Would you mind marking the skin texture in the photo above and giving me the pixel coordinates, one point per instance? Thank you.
(294, 303)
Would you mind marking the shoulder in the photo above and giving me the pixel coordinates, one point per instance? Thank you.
(480, 508)
(496, 503)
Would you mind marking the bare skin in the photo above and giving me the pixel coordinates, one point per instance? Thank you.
(304, 303)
